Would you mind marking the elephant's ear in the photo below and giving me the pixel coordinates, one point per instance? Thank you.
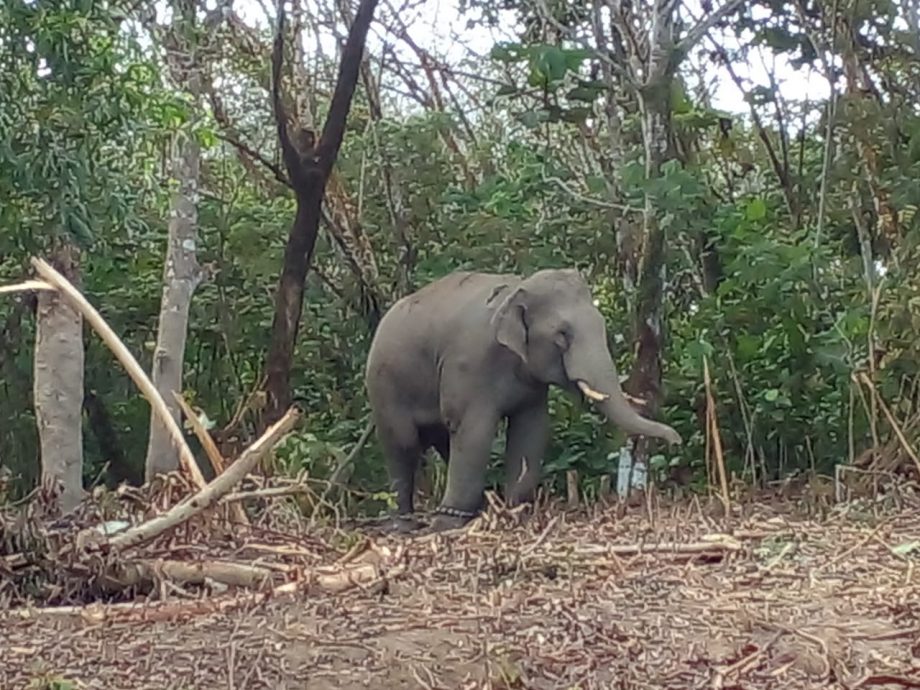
(510, 324)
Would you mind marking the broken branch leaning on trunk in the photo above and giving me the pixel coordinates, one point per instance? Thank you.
(137, 374)
(210, 494)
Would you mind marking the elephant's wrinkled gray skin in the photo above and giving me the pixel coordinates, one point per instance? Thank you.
(451, 360)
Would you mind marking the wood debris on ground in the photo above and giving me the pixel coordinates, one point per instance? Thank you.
(664, 598)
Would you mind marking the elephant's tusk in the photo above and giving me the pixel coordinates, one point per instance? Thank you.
(641, 402)
(591, 393)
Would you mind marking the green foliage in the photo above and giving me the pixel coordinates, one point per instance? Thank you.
(80, 105)
(81, 114)
(782, 318)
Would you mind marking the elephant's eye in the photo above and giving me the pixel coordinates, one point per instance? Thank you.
(563, 338)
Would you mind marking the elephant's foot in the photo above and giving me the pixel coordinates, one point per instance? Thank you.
(451, 518)
(404, 524)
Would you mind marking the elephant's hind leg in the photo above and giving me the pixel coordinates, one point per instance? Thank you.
(403, 451)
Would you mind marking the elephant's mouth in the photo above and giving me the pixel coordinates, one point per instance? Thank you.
(590, 393)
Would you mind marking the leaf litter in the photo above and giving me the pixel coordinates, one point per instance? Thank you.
(670, 597)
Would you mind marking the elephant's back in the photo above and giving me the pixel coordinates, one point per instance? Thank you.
(445, 303)
(414, 331)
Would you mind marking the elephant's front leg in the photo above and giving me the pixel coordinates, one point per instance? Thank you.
(470, 447)
(525, 448)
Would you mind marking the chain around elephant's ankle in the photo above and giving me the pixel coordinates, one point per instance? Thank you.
(455, 512)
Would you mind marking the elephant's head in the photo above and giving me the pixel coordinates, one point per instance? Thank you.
(549, 320)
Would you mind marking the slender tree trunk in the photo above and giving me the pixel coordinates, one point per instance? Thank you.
(298, 253)
(648, 326)
(645, 377)
(309, 167)
(58, 383)
(181, 273)
(641, 251)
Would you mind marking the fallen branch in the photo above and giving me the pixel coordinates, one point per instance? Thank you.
(363, 574)
(359, 574)
(26, 286)
(861, 543)
(137, 572)
(716, 546)
(270, 492)
(210, 494)
(79, 302)
(131, 612)
(745, 663)
(888, 679)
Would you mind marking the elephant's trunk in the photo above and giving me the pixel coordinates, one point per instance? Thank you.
(589, 365)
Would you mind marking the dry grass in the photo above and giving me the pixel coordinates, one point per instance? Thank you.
(563, 600)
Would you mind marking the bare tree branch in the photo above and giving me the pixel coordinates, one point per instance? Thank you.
(256, 156)
(289, 154)
(696, 34)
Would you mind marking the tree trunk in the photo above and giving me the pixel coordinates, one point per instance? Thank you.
(298, 253)
(309, 169)
(645, 377)
(58, 383)
(181, 273)
(641, 252)
(644, 380)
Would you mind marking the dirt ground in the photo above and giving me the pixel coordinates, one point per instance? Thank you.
(768, 599)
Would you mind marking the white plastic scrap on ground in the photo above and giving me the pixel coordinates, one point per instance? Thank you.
(639, 473)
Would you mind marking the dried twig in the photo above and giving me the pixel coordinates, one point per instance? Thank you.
(139, 571)
(908, 448)
(268, 492)
(712, 417)
(721, 545)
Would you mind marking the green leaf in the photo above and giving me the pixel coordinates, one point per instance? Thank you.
(771, 395)
(547, 65)
(576, 115)
(598, 85)
(506, 90)
(748, 346)
(581, 93)
(207, 137)
(756, 209)
(536, 78)
(555, 61)
(505, 52)
(906, 548)
(574, 57)
(534, 118)
(779, 40)
(679, 102)
(596, 184)
(698, 348)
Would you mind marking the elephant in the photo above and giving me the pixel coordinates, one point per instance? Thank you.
(449, 362)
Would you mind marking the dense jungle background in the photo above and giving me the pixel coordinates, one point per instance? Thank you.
(739, 182)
